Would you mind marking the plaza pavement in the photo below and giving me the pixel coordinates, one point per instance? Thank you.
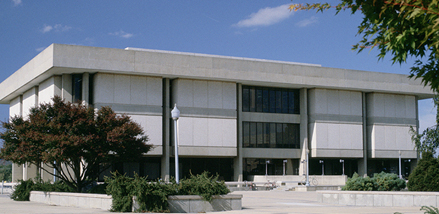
(253, 202)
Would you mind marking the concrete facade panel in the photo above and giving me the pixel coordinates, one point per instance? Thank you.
(122, 89)
(30, 99)
(152, 126)
(200, 132)
(15, 107)
(103, 88)
(154, 91)
(229, 95)
(185, 131)
(138, 90)
(214, 94)
(200, 93)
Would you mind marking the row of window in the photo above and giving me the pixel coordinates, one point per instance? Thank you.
(270, 100)
(270, 135)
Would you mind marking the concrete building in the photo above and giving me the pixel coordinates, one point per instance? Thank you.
(238, 115)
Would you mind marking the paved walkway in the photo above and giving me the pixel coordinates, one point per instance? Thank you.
(276, 202)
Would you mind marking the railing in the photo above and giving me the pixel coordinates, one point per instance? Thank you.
(7, 187)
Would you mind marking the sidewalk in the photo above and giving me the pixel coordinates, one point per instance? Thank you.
(280, 202)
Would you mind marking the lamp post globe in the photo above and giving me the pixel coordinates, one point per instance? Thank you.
(175, 113)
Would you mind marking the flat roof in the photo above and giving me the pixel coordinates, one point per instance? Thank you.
(58, 59)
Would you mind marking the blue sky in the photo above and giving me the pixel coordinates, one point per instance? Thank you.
(255, 29)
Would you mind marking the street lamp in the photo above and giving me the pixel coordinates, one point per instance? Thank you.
(400, 176)
(266, 167)
(175, 113)
(323, 166)
(285, 162)
(342, 161)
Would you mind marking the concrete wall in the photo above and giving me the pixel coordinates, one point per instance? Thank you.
(335, 123)
(49, 88)
(139, 97)
(83, 200)
(379, 199)
(195, 204)
(207, 126)
(389, 119)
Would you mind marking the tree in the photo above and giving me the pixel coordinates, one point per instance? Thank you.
(400, 28)
(425, 177)
(428, 140)
(76, 141)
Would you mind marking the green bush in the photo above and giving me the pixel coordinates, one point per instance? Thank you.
(425, 176)
(203, 185)
(379, 182)
(120, 187)
(153, 196)
(387, 182)
(22, 190)
(357, 183)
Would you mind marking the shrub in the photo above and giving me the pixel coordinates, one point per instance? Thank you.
(120, 187)
(425, 176)
(357, 183)
(203, 185)
(380, 182)
(153, 196)
(387, 182)
(22, 190)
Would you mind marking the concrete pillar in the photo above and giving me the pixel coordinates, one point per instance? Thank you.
(66, 91)
(238, 160)
(166, 112)
(303, 129)
(86, 88)
(362, 163)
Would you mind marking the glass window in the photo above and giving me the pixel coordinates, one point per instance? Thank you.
(245, 99)
(258, 100)
(278, 101)
(266, 135)
(272, 99)
(272, 135)
(252, 100)
(252, 135)
(287, 141)
(246, 134)
(260, 134)
(279, 135)
(265, 100)
(291, 100)
(77, 88)
(285, 101)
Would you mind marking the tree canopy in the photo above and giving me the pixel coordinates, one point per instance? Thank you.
(73, 139)
(400, 28)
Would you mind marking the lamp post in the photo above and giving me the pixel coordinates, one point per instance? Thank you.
(266, 167)
(285, 162)
(175, 113)
(400, 176)
(323, 167)
(307, 168)
(342, 161)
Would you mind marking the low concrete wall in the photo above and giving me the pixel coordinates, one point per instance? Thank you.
(196, 204)
(379, 198)
(322, 180)
(83, 200)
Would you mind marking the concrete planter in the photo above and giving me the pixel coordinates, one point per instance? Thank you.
(83, 200)
(196, 204)
(379, 198)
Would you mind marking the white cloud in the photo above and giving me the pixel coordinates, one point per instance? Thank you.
(56, 28)
(17, 2)
(40, 49)
(266, 16)
(122, 34)
(307, 22)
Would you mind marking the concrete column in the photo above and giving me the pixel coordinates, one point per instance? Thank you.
(414, 163)
(362, 163)
(238, 161)
(66, 91)
(86, 88)
(166, 112)
(303, 129)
